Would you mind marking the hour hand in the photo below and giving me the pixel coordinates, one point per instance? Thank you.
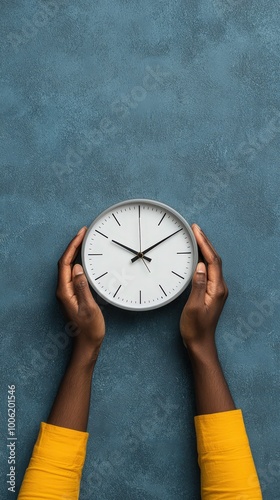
(132, 251)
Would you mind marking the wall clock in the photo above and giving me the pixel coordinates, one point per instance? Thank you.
(139, 254)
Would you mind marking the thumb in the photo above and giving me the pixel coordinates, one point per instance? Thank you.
(199, 284)
(81, 286)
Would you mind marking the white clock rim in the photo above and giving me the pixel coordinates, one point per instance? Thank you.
(160, 205)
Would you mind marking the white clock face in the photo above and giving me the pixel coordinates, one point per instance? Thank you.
(139, 254)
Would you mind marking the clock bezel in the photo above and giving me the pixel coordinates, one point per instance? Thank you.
(158, 204)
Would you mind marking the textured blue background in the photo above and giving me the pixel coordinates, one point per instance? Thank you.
(176, 101)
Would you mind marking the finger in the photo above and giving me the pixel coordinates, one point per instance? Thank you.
(81, 286)
(210, 255)
(206, 246)
(67, 259)
(199, 285)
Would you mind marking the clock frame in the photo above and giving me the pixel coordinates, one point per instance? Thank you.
(139, 254)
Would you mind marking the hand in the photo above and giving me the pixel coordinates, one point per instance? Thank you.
(141, 254)
(209, 293)
(79, 306)
(131, 250)
(140, 243)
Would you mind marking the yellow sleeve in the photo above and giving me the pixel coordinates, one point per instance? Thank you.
(55, 468)
(227, 467)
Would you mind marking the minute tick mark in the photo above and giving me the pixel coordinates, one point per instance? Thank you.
(178, 275)
(101, 276)
(163, 290)
(99, 232)
(161, 219)
(116, 219)
(117, 291)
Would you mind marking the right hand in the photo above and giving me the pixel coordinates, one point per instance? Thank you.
(209, 293)
(77, 302)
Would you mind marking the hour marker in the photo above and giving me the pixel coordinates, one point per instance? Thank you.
(95, 253)
(99, 232)
(101, 276)
(140, 296)
(183, 252)
(163, 290)
(178, 275)
(116, 219)
(117, 291)
(162, 219)
(139, 211)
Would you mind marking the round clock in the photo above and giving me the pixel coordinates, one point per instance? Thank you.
(139, 254)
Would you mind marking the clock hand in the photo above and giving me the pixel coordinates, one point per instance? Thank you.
(139, 228)
(145, 264)
(142, 254)
(140, 243)
(131, 250)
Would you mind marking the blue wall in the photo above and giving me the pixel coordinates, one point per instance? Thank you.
(175, 101)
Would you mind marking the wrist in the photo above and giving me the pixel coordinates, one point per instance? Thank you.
(84, 357)
(203, 353)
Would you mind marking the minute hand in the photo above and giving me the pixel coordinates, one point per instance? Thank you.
(155, 245)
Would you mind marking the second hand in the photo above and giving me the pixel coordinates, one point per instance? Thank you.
(139, 225)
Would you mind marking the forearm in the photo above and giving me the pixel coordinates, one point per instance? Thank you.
(224, 454)
(59, 453)
(227, 467)
(211, 390)
(56, 465)
(71, 405)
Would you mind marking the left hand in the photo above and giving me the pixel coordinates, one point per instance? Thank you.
(79, 306)
(208, 296)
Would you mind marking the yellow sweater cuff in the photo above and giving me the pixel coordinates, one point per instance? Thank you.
(220, 431)
(61, 446)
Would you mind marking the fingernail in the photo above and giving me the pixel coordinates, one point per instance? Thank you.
(78, 270)
(81, 230)
(200, 268)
